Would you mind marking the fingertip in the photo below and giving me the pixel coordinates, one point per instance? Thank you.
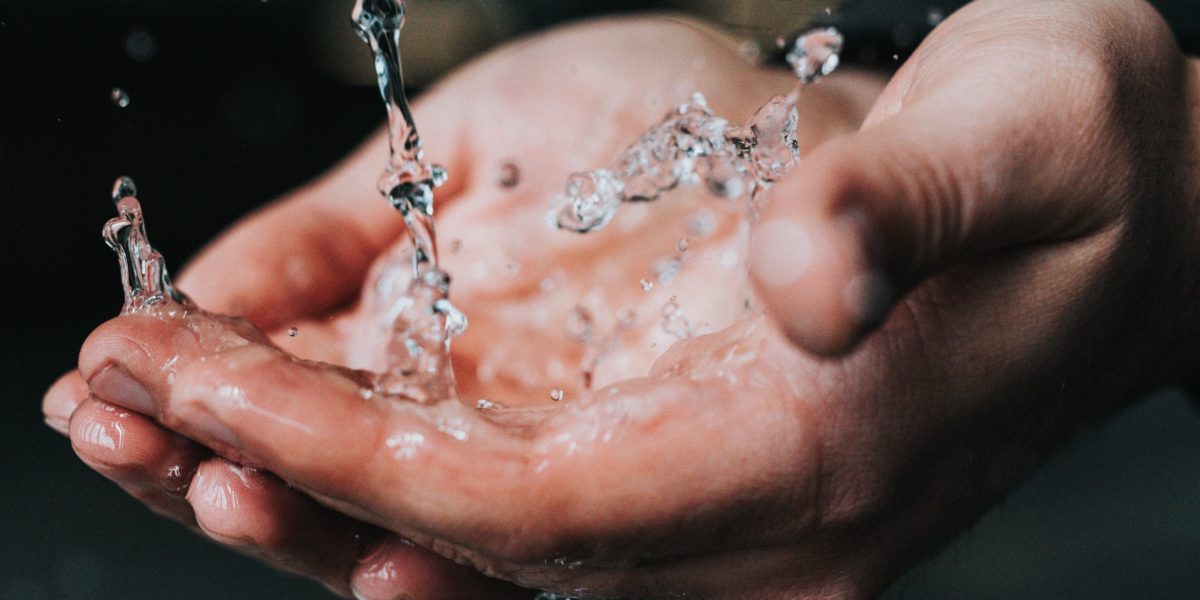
(130, 449)
(226, 500)
(251, 509)
(818, 255)
(396, 568)
(816, 280)
(61, 399)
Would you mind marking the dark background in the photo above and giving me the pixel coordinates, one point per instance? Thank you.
(235, 102)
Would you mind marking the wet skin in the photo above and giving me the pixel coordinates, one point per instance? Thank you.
(1025, 186)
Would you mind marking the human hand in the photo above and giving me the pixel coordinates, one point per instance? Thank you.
(832, 475)
(299, 262)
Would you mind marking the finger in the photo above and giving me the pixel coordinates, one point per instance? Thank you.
(308, 252)
(396, 568)
(869, 216)
(442, 472)
(254, 512)
(151, 464)
(247, 510)
(61, 399)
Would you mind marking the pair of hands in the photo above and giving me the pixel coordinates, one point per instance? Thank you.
(1025, 187)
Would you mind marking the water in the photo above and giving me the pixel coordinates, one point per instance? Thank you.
(691, 145)
(418, 353)
(509, 176)
(144, 274)
(119, 97)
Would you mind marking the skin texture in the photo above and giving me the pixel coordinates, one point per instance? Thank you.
(1004, 253)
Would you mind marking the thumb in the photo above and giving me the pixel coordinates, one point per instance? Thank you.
(869, 216)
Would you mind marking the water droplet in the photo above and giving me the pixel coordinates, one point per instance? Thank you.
(935, 16)
(896, 57)
(580, 325)
(589, 201)
(780, 42)
(119, 97)
(293, 332)
(682, 245)
(702, 224)
(816, 54)
(647, 285)
(123, 187)
(750, 51)
(140, 45)
(484, 405)
(674, 323)
(509, 175)
(556, 394)
(666, 268)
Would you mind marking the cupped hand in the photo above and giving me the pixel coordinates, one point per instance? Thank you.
(1025, 186)
(565, 101)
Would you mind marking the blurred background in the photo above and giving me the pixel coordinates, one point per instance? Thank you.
(229, 103)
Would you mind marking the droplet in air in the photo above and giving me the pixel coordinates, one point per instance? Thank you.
(935, 16)
(816, 54)
(647, 285)
(750, 51)
(589, 201)
(556, 394)
(119, 97)
(140, 45)
(123, 187)
(780, 42)
(896, 57)
(293, 332)
(509, 175)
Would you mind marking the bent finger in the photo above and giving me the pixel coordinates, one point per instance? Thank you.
(252, 511)
(61, 400)
(151, 464)
(869, 216)
(434, 472)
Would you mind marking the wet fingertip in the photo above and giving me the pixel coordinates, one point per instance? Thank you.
(60, 425)
(61, 399)
(379, 574)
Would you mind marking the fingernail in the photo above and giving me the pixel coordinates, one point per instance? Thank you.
(59, 424)
(113, 385)
(782, 252)
(206, 426)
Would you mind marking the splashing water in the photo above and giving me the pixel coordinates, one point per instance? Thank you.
(692, 145)
(418, 354)
(143, 271)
